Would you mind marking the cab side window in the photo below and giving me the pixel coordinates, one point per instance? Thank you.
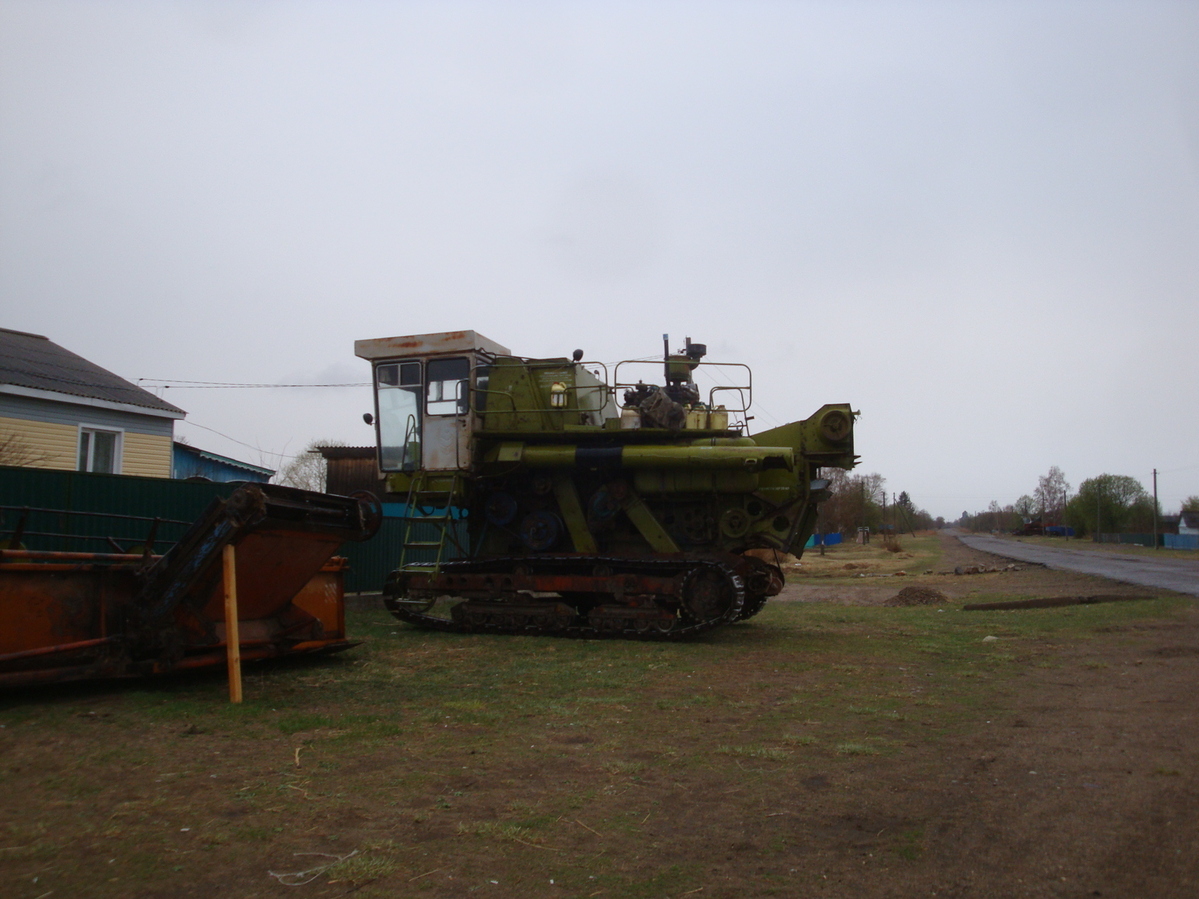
(446, 386)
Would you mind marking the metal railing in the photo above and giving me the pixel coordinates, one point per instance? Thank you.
(70, 524)
(743, 390)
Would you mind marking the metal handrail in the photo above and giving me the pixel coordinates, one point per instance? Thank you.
(511, 400)
(748, 387)
(712, 398)
(514, 408)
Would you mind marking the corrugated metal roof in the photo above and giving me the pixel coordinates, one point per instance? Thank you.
(35, 362)
(224, 460)
(346, 452)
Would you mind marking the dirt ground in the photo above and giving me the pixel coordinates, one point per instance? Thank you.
(873, 581)
(1077, 777)
(1085, 784)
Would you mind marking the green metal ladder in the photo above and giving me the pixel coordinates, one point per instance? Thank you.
(419, 493)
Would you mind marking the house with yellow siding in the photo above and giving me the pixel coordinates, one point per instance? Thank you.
(57, 410)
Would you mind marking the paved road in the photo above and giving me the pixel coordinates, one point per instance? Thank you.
(1181, 575)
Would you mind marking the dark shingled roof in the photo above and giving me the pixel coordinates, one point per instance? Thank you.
(33, 361)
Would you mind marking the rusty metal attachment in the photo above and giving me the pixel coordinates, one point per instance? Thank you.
(74, 615)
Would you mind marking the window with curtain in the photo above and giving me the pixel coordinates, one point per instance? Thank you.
(99, 450)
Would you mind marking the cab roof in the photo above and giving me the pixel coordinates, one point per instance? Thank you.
(443, 343)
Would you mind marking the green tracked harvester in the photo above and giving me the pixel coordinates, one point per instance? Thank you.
(536, 504)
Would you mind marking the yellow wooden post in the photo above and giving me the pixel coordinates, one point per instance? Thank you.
(232, 639)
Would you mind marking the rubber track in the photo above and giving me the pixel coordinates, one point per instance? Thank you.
(582, 631)
(753, 605)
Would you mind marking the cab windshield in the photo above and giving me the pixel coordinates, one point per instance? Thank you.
(398, 398)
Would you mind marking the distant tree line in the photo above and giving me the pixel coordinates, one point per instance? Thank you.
(1107, 503)
(861, 500)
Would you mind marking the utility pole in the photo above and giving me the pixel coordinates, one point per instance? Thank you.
(863, 530)
(1155, 508)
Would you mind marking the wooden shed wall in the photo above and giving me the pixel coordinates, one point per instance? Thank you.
(345, 476)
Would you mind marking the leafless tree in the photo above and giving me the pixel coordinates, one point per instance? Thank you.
(995, 512)
(308, 469)
(856, 501)
(16, 452)
(1051, 494)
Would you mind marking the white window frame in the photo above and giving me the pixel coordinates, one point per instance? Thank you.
(118, 450)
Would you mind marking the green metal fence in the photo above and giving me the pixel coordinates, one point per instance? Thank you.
(1131, 539)
(122, 494)
(123, 508)
(39, 501)
(371, 560)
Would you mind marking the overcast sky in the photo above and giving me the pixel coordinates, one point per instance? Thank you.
(976, 222)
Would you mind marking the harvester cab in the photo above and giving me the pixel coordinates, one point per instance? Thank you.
(423, 415)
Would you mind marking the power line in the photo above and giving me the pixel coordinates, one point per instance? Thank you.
(257, 449)
(1173, 470)
(168, 383)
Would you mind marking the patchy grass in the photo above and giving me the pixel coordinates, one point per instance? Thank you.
(497, 830)
(798, 739)
(362, 869)
(912, 555)
(909, 844)
(770, 753)
(856, 749)
(437, 764)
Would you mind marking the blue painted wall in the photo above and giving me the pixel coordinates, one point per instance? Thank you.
(189, 462)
